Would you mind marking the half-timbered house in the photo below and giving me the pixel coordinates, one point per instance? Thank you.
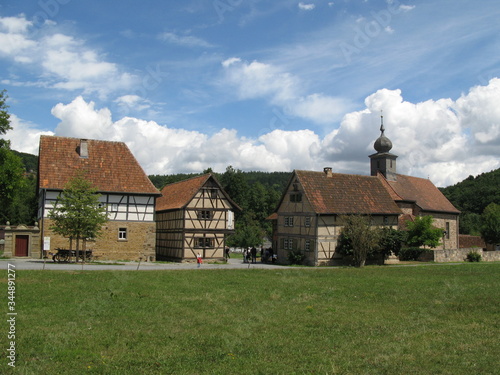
(307, 217)
(125, 191)
(193, 216)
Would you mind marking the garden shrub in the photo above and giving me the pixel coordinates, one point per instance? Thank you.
(472, 256)
(296, 257)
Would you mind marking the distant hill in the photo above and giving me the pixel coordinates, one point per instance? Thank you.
(30, 161)
(275, 180)
(473, 194)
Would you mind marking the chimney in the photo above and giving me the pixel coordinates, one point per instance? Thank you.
(84, 148)
(328, 171)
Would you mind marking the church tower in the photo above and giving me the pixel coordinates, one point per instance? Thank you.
(383, 161)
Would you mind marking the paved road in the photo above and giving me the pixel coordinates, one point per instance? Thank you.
(38, 264)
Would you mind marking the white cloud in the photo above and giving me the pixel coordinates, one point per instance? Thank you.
(24, 136)
(62, 61)
(305, 6)
(184, 40)
(443, 139)
(259, 80)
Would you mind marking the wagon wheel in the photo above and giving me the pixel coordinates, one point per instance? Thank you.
(55, 258)
(62, 257)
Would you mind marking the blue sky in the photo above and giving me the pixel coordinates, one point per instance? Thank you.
(260, 85)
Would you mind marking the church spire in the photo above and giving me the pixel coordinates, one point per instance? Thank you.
(382, 144)
(383, 161)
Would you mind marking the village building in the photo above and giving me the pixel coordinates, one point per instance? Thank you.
(308, 216)
(125, 191)
(193, 217)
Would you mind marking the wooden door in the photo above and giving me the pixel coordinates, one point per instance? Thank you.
(22, 243)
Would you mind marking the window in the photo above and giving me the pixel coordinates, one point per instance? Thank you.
(296, 197)
(307, 221)
(288, 221)
(204, 215)
(307, 246)
(213, 193)
(447, 230)
(288, 244)
(122, 234)
(386, 219)
(204, 242)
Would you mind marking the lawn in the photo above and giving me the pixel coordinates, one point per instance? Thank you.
(438, 319)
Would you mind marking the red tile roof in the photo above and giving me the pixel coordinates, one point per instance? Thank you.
(346, 194)
(419, 190)
(177, 195)
(110, 166)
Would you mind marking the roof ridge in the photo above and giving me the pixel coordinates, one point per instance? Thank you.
(207, 175)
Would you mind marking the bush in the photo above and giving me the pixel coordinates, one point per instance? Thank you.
(296, 257)
(472, 256)
(411, 253)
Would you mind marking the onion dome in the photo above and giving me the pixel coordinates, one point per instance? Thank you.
(382, 144)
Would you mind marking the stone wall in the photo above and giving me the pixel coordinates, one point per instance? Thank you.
(459, 255)
(140, 242)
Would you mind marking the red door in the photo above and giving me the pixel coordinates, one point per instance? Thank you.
(22, 243)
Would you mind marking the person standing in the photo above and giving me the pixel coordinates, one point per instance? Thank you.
(254, 254)
(199, 260)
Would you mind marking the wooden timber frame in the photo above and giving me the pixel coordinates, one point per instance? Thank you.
(193, 216)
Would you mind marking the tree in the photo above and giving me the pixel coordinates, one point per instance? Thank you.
(422, 233)
(391, 241)
(11, 180)
(11, 166)
(490, 228)
(77, 214)
(364, 239)
(4, 118)
(248, 232)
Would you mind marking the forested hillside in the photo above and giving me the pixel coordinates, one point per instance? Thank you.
(471, 196)
(30, 161)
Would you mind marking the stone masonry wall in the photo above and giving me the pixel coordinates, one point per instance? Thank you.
(459, 255)
(140, 242)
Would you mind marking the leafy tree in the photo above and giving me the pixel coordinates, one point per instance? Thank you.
(248, 232)
(77, 214)
(391, 241)
(11, 166)
(364, 239)
(4, 118)
(490, 229)
(422, 233)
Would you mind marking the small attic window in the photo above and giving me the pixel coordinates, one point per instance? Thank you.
(84, 149)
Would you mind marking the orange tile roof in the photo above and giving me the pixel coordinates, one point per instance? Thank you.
(421, 191)
(110, 166)
(179, 194)
(346, 194)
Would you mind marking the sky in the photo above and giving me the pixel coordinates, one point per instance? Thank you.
(258, 84)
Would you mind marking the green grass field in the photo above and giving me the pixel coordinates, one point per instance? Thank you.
(438, 319)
